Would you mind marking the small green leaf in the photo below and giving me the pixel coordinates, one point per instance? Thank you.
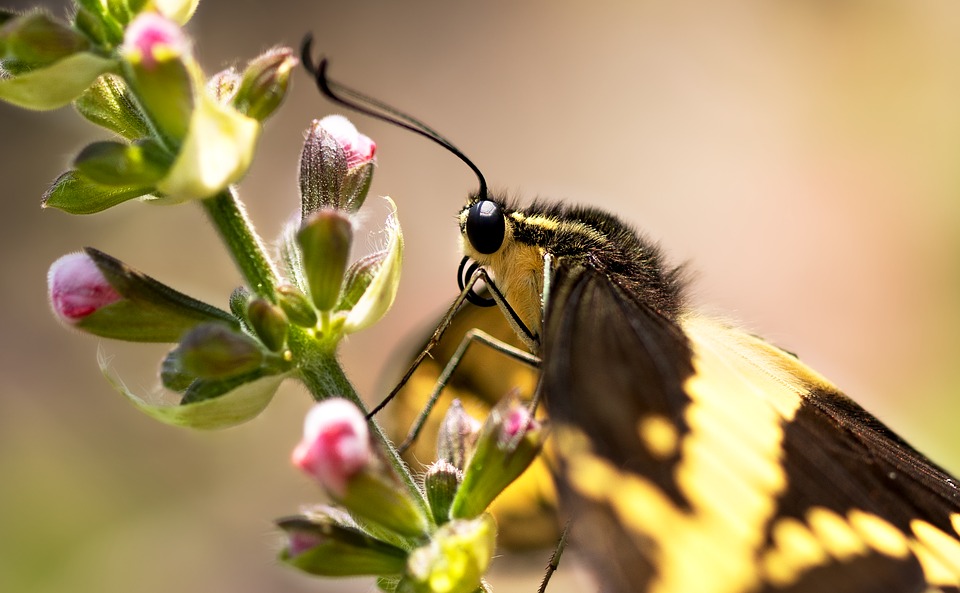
(35, 40)
(75, 194)
(325, 239)
(57, 84)
(118, 164)
(323, 547)
(230, 409)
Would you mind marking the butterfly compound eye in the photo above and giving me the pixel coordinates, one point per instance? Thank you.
(485, 226)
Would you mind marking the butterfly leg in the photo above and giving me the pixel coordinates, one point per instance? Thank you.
(474, 335)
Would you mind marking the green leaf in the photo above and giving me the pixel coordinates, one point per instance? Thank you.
(57, 84)
(75, 194)
(119, 164)
(235, 407)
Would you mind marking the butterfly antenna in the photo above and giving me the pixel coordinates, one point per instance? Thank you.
(367, 105)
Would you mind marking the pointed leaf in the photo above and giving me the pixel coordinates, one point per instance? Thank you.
(235, 407)
(75, 194)
(57, 84)
(378, 297)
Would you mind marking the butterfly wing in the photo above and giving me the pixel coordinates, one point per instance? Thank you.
(695, 457)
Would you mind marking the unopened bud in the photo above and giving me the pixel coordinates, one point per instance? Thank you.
(509, 441)
(108, 103)
(332, 149)
(323, 546)
(325, 239)
(269, 322)
(441, 482)
(264, 83)
(337, 451)
(457, 435)
(223, 85)
(296, 305)
(212, 351)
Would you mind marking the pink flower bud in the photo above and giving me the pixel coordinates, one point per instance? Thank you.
(335, 445)
(77, 287)
(359, 149)
(152, 37)
(517, 420)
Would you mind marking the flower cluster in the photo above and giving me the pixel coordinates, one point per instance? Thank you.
(436, 539)
(180, 136)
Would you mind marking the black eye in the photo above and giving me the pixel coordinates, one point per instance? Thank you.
(485, 226)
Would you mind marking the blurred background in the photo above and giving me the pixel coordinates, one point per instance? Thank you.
(804, 156)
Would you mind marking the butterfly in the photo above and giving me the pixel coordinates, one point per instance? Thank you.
(690, 454)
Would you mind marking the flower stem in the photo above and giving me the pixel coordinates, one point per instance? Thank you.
(228, 215)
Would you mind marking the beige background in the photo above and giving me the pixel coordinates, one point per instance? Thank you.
(804, 155)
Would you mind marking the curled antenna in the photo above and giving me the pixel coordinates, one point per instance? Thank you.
(369, 106)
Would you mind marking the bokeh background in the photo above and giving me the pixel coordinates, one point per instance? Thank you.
(804, 156)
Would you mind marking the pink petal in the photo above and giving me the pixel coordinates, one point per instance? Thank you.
(77, 288)
(335, 445)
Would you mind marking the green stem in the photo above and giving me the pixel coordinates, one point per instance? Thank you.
(324, 378)
(228, 215)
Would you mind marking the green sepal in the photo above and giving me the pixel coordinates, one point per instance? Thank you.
(455, 559)
(379, 294)
(323, 167)
(149, 311)
(376, 497)
(238, 302)
(340, 550)
(119, 164)
(235, 407)
(325, 239)
(357, 279)
(109, 103)
(35, 40)
(57, 84)
(75, 194)
(356, 185)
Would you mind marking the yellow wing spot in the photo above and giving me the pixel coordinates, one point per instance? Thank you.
(835, 534)
(796, 550)
(659, 435)
(939, 554)
(879, 534)
(955, 521)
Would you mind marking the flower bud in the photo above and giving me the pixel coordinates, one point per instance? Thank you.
(296, 305)
(325, 239)
(337, 451)
(457, 435)
(78, 288)
(324, 546)
(155, 51)
(508, 442)
(223, 85)
(35, 40)
(269, 322)
(98, 294)
(213, 351)
(456, 558)
(118, 164)
(264, 83)
(108, 103)
(239, 299)
(332, 150)
(441, 482)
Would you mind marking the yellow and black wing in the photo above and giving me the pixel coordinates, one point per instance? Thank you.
(695, 457)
